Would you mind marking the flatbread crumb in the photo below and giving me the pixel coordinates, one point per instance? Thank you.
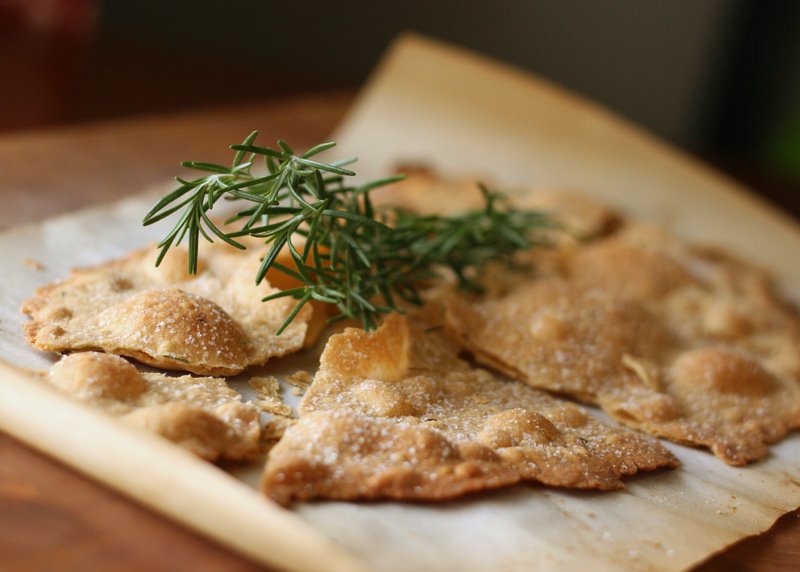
(268, 398)
(300, 378)
(33, 264)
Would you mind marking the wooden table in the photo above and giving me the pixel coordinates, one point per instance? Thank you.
(51, 517)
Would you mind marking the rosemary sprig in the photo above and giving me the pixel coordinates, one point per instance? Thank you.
(344, 251)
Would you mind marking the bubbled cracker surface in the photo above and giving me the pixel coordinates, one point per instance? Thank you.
(201, 414)
(213, 323)
(682, 342)
(396, 414)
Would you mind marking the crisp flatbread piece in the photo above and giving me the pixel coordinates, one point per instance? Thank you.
(681, 342)
(426, 192)
(704, 295)
(213, 323)
(396, 414)
(201, 414)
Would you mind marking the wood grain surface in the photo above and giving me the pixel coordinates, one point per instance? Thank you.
(52, 518)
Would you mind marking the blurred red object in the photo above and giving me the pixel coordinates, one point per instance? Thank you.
(43, 52)
(70, 18)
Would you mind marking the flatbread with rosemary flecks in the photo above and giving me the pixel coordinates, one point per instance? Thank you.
(682, 342)
(213, 323)
(396, 414)
(201, 414)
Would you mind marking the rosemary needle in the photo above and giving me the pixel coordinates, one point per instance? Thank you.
(351, 257)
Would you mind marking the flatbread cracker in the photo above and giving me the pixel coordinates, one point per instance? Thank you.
(213, 323)
(677, 341)
(424, 191)
(396, 414)
(202, 415)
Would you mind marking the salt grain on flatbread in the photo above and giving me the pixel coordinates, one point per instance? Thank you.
(396, 414)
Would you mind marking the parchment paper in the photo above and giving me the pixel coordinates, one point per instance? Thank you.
(464, 114)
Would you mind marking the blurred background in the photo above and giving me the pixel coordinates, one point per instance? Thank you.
(720, 78)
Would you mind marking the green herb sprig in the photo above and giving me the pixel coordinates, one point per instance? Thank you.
(344, 251)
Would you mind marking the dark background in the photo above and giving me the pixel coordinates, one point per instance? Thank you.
(720, 78)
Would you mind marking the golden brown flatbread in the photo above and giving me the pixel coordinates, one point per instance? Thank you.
(201, 414)
(396, 414)
(425, 192)
(681, 342)
(213, 323)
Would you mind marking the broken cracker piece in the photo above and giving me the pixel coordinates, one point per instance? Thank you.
(396, 414)
(201, 414)
(674, 340)
(300, 378)
(213, 323)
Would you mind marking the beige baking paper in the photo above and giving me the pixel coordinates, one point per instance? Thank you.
(463, 114)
